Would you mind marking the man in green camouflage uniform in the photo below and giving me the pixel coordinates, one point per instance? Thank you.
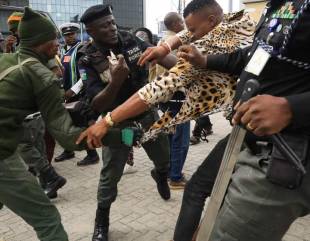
(32, 147)
(27, 86)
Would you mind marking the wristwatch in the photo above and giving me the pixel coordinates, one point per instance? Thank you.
(108, 119)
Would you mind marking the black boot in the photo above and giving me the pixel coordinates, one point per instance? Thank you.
(101, 229)
(51, 181)
(65, 155)
(91, 158)
(162, 184)
(207, 131)
(201, 133)
(195, 138)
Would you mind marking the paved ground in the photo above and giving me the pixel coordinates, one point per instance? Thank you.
(139, 214)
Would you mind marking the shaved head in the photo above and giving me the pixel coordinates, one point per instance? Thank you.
(197, 5)
(201, 16)
(174, 22)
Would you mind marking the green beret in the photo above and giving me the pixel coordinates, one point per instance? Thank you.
(35, 29)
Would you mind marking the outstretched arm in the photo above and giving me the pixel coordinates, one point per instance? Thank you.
(131, 108)
(232, 63)
(159, 53)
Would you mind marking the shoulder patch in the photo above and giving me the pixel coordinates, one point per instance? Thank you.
(83, 74)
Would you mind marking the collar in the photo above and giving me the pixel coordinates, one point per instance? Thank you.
(29, 51)
(68, 47)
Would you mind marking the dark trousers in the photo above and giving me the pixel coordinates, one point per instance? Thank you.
(50, 145)
(114, 160)
(197, 189)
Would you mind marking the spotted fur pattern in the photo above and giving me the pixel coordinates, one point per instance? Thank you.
(206, 91)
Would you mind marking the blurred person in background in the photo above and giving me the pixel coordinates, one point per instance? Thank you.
(72, 83)
(179, 141)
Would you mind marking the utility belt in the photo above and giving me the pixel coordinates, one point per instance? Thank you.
(281, 170)
(32, 116)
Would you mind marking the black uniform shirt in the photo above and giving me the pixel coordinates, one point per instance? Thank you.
(278, 78)
(94, 67)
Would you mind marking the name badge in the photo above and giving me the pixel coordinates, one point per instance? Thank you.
(134, 54)
(257, 62)
(67, 59)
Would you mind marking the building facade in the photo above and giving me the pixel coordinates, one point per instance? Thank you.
(63, 10)
(128, 13)
(6, 9)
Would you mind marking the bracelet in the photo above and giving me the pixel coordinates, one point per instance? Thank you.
(166, 47)
(108, 119)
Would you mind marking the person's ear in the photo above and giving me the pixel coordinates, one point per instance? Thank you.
(90, 31)
(213, 21)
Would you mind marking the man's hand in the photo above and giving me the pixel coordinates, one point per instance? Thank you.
(10, 41)
(264, 114)
(94, 134)
(191, 54)
(68, 95)
(119, 69)
(152, 54)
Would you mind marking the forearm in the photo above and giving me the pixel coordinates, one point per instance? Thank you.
(232, 63)
(300, 109)
(168, 62)
(174, 42)
(134, 106)
(57, 118)
(8, 49)
(103, 101)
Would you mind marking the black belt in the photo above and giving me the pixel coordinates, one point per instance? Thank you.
(257, 144)
(259, 147)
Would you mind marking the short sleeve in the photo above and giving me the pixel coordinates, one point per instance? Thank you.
(185, 36)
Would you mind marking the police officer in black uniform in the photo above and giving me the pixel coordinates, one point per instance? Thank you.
(107, 88)
(268, 192)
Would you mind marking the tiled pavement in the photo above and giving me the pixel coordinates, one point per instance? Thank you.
(138, 214)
